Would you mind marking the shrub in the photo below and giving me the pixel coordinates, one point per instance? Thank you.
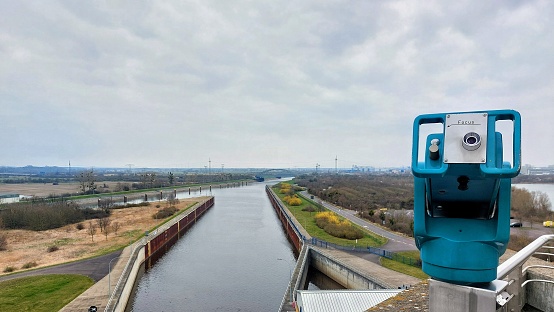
(165, 212)
(293, 200)
(287, 189)
(332, 224)
(9, 269)
(3, 241)
(52, 248)
(517, 242)
(309, 208)
(79, 226)
(29, 265)
(42, 215)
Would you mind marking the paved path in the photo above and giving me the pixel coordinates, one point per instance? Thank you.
(95, 268)
(389, 277)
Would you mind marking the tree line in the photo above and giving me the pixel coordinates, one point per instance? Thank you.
(385, 199)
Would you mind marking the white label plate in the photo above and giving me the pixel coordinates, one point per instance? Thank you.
(455, 128)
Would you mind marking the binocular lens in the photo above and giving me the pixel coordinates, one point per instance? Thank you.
(471, 141)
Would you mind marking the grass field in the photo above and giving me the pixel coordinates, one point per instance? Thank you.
(42, 293)
(307, 221)
(405, 268)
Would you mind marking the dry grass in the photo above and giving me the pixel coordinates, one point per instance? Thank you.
(46, 189)
(29, 246)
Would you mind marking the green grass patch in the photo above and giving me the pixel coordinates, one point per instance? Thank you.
(108, 250)
(42, 293)
(307, 220)
(65, 241)
(401, 267)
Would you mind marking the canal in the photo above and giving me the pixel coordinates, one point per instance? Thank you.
(236, 258)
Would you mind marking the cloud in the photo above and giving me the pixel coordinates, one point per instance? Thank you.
(262, 84)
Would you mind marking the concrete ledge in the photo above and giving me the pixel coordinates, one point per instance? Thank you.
(128, 289)
(98, 294)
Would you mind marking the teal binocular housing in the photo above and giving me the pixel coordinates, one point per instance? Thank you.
(462, 193)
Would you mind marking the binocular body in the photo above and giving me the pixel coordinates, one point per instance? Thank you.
(462, 192)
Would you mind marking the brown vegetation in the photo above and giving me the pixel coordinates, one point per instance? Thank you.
(27, 246)
(380, 199)
(165, 212)
(362, 192)
(530, 206)
(385, 199)
(44, 215)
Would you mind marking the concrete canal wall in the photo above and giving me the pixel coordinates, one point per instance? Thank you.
(347, 276)
(150, 245)
(160, 237)
(295, 231)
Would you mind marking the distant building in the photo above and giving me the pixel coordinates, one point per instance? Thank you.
(6, 198)
(530, 170)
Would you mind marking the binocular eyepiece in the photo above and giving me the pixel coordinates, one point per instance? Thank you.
(471, 141)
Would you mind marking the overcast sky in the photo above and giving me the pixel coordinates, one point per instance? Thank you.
(274, 84)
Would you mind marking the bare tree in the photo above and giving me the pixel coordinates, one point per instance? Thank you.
(522, 205)
(115, 227)
(172, 200)
(87, 181)
(103, 223)
(91, 230)
(106, 203)
(107, 231)
(3, 238)
(170, 177)
(542, 203)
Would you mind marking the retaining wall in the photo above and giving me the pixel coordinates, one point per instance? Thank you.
(341, 273)
(293, 231)
(147, 247)
(128, 289)
(161, 237)
(540, 294)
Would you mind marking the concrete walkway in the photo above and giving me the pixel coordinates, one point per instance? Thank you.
(97, 295)
(394, 279)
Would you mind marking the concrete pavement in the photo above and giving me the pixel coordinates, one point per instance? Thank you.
(95, 268)
(390, 277)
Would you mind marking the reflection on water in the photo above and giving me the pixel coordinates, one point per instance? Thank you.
(320, 281)
(228, 261)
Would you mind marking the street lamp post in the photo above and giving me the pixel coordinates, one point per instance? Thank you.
(290, 277)
(109, 275)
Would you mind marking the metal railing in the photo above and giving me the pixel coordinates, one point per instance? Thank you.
(118, 289)
(373, 250)
(512, 270)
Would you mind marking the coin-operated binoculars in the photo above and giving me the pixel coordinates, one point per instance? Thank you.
(462, 191)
